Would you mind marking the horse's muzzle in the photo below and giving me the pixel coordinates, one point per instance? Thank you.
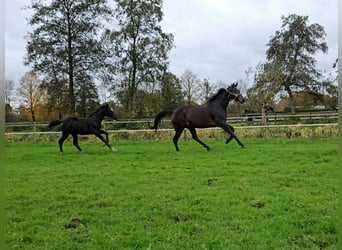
(240, 99)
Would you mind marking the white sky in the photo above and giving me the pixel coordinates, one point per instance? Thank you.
(215, 39)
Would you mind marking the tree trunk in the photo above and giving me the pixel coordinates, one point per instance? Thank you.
(71, 92)
(263, 115)
(71, 71)
(130, 102)
(291, 99)
(292, 102)
(33, 116)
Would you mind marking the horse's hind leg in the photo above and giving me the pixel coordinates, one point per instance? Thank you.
(176, 137)
(195, 137)
(75, 141)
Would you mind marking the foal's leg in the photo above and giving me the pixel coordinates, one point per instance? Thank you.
(176, 137)
(231, 137)
(98, 135)
(75, 141)
(195, 137)
(61, 140)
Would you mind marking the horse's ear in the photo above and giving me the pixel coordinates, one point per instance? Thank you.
(235, 85)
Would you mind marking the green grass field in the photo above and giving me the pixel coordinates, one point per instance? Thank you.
(276, 194)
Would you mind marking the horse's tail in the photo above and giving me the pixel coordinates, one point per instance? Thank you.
(159, 116)
(54, 123)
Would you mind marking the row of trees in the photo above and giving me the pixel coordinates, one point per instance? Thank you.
(172, 92)
(78, 61)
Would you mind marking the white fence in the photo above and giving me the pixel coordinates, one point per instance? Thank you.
(274, 120)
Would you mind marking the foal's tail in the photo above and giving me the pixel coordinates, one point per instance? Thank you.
(54, 123)
(159, 116)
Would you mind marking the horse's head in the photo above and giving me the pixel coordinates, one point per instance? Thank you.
(234, 93)
(109, 112)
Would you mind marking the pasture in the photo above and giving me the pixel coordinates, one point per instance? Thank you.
(276, 194)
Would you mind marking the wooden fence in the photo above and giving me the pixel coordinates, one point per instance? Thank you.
(245, 121)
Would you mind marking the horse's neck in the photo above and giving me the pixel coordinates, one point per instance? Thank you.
(223, 101)
(97, 117)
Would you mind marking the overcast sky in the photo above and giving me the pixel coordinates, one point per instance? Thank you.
(215, 39)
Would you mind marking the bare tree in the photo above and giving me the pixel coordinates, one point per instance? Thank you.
(263, 92)
(9, 87)
(206, 90)
(190, 85)
(30, 92)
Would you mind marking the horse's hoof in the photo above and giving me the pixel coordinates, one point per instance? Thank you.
(113, 150)
(243, 146)
(208, 149)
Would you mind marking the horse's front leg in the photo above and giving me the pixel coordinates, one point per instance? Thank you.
(105, 133)
(230, 130)
(98, 135)
(230, 137)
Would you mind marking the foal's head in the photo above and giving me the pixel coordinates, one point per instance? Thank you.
(107, 111)
(234, 93)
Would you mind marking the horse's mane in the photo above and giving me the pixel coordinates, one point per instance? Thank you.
(102, 107)
(219, 92)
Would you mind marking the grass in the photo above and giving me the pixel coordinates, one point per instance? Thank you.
(276, 194)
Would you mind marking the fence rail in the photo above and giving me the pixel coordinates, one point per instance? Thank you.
(142, 125)
(166, 129)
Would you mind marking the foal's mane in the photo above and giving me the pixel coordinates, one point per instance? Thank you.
(219, 92)
(102, 107)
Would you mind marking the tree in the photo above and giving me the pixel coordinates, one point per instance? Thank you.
(261, 95)
(330, 89)
(206, 90)
(58, 102)
(190, 86)
(171, 92)
(332, 99)
(9, 87)
(10, 116)
(104, 92)
(140, 47)
(64, 41)
(335, 66)
(291, 51)
(87, 99)
(31, 93)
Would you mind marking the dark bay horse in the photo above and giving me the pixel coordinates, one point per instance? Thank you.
(84, 126)
(210, 114)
